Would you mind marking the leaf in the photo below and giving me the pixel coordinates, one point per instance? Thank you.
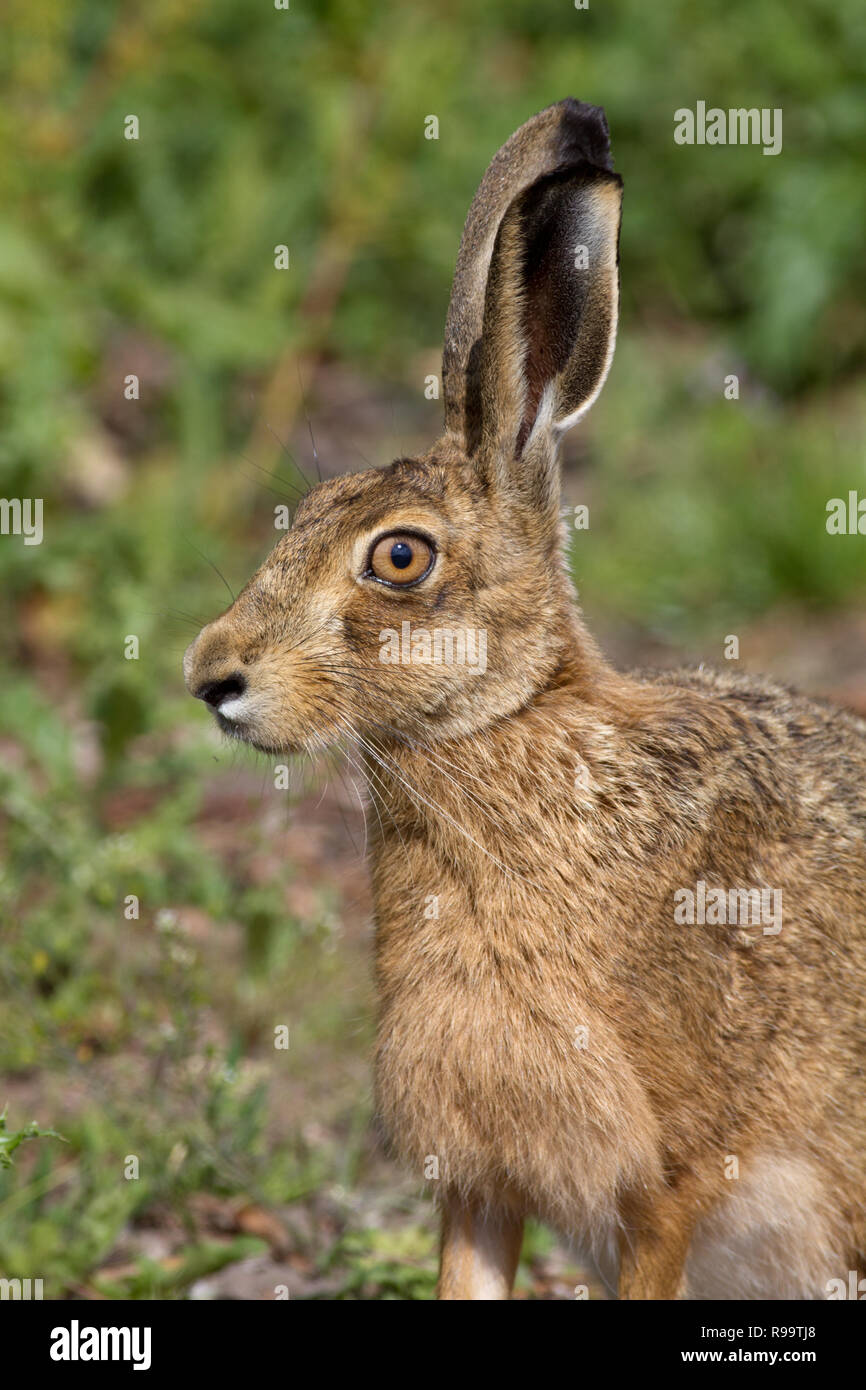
(10, 1142)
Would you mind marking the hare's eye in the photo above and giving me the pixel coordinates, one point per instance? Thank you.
(400, 560)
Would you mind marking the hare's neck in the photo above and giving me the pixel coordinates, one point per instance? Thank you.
(467, 803)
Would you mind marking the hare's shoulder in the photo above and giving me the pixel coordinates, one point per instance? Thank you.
(760, 696)
(811, 740)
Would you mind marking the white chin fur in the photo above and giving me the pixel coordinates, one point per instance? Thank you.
(235, 709)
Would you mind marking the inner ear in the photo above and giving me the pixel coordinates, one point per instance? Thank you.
(473, 418)
(553, 299)
(550, 311)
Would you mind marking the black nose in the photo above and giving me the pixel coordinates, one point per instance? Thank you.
(215, 692)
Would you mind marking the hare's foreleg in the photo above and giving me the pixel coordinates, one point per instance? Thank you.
(479, 1252)
(653, 1253)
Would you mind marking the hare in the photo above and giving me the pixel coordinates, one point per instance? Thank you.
(620, 919)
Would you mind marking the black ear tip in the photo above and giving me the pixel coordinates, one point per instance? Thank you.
(584, 134)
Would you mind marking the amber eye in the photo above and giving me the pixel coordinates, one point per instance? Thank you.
(400, 559)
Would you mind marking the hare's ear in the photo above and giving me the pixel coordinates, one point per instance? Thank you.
(565, 136)
(549, 323)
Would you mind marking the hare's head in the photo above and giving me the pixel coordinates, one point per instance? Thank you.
(428, 598)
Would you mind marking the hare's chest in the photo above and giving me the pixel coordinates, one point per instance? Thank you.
(493, 1066)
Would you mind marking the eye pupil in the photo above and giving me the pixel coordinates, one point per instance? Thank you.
(400, 559)
(401, 555)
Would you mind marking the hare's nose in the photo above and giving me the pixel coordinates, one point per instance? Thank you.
(216, 693)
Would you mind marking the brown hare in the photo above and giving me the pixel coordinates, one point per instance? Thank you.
(620, 919)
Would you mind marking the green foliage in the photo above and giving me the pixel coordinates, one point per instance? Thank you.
(306, 127)
(386, 1264)
(9, 1142)
(706, 512)
(151, 1280)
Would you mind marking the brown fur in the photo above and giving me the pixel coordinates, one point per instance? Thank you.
(551, 808)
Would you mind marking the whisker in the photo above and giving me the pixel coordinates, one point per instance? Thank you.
(307, 418)
(367, 778)
(441, 811)
(278, 477)
(339, 771)
(176, 615)
(272, 490)
(212, 565)
(289, 455)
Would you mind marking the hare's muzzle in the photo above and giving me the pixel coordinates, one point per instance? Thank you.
(218, 694)
(212, 675)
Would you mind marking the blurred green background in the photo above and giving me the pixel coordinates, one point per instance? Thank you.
(152, 1037)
